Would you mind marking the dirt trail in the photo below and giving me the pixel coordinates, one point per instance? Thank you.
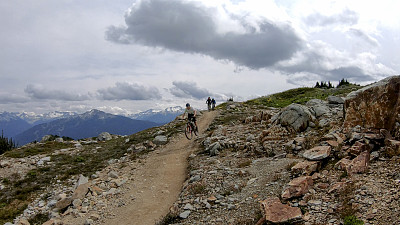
(157, 184)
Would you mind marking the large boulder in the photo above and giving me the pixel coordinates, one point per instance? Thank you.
(318, 107)
(375, 106)
(105, 136)
(335, 100)
(295, 116)
(160, 140)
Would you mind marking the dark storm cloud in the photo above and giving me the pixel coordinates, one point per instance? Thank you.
(347, 17)
(126, 91)
(190, 27)
(189, 89)
(37, 92)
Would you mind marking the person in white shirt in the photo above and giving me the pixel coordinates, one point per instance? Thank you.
(191, 114)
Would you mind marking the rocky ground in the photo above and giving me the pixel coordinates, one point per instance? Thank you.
(252, 165)
(227, 187)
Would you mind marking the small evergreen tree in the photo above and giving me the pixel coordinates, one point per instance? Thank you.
(6, 144)
(324, 84)
(343, 82)
(317, 85)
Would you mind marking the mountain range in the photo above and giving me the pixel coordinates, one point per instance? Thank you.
(28, 127)
(159, 116)
(89, 124)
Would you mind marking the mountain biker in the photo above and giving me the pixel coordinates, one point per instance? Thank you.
(191, 114)
(213, 103)
(208, 103)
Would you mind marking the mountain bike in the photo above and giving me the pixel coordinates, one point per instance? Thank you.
(190, 129)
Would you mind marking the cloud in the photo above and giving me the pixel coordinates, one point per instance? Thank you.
(346, 17)
(189, 89)
(191, 27)
(364, 36)
(38, 92)
(6, 98)
(322, 62)
(127, 91)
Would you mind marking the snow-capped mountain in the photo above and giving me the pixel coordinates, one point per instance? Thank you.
(14, 123)
(89, 124)
(35, 119)
(11, 124)
(159, 116)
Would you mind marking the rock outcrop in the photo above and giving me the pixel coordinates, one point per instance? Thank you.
(376, 106)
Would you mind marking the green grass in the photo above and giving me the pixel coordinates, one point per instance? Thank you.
(300, 96)
(37, 149)
(9, 211)
(352, 220)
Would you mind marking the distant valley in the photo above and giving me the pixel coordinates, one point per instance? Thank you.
(28, 127)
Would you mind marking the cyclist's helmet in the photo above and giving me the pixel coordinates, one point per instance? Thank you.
(187, 105)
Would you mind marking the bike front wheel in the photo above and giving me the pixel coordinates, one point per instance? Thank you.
(188, 132)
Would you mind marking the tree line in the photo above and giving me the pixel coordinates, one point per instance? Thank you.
(328, 84)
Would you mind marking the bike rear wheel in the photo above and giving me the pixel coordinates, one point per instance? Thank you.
(195, 130)
(188, 131)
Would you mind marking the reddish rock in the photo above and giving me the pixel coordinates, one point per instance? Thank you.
(212, 199)
(374, 106)
(392, 147)
(338, 186)
(306, 167)
(81, 191)
(359, 147)
(317, 153)
(333, 143)
(297, 187)
(277, 213)
(63, 203)
(359, 164)
(343, 164)
(373, 136)
(322, 185)
(96, 190)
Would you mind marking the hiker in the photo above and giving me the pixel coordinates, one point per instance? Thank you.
(208, 103)
(213, 103)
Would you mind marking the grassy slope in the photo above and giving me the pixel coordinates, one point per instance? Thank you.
(300, 96)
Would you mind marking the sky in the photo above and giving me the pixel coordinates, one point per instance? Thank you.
(127, 56)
